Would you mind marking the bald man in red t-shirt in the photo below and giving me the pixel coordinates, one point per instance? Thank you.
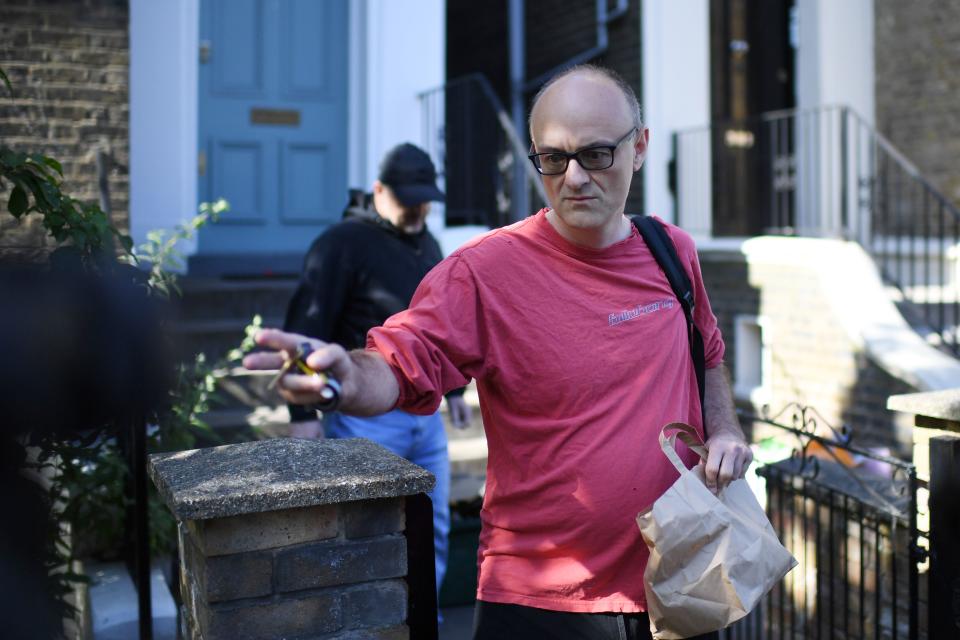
(580, 352)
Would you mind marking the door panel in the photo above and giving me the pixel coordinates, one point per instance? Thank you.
(308, 26)
(273, 122)
(300, 165)
(238, 170)
(237, 61)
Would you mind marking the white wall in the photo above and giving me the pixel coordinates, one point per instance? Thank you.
(397, 50)
(835, 55)
(405, 54)
(676, 87)
(164, 37)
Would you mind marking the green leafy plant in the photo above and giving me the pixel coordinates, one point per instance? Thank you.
(79, 227)
(160, 252)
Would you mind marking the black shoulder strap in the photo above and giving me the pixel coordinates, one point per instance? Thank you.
(664, 251)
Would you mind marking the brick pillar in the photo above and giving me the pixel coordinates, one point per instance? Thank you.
(937, 457)
(291, 538)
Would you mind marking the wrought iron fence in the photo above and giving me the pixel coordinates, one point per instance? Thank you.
(479, 154)
(825, 172)
(132, 437)
(849, 516)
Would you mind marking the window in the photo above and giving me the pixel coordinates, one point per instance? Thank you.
(751, 359)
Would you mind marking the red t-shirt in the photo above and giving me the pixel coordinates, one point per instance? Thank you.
(580, 357)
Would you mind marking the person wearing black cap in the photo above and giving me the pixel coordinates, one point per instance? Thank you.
(357, 274)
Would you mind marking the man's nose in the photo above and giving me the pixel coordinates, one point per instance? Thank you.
(576, 176)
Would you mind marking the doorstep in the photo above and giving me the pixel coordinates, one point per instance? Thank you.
(113, 603)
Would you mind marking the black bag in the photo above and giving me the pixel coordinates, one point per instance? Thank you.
(662, 248)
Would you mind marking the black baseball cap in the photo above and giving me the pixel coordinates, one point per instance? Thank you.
(410, 174)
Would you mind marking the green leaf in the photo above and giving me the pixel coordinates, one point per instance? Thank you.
(77, 577)
(35, 165)
(50, 194)
(26, 180)
(6, 80)
(53, 164)
(18, 203)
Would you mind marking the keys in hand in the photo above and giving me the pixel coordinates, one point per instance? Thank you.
(330, 394)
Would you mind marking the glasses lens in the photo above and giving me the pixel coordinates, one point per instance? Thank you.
(552, 163)
(596, 158)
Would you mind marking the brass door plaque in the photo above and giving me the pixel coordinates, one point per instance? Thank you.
(286, 117)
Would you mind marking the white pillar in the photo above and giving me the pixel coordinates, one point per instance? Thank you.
(406, 54)
(676, 96)
(164, 41)
(835, 67)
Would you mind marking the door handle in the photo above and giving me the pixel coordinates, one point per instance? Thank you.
(206, 48)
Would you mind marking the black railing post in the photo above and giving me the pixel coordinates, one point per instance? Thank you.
(913, 556)
(944, 576)
(844, 174)
(927, 313)
(672, 179)
(136, 554)
(942, 259)
(421, 572)
(955, 317)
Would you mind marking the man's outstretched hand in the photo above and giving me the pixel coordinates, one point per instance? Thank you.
(367, 385)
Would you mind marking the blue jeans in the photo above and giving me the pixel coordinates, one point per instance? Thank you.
(422, 441)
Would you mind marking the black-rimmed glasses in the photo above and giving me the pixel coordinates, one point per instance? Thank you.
(595, 158)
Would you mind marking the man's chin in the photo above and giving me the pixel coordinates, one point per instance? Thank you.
(412, 220)
(581, 217)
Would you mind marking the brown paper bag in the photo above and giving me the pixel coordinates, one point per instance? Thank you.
(711, 558)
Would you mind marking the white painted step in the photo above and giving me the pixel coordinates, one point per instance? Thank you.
(113, 603)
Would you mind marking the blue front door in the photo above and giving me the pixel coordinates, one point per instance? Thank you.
(273, 124)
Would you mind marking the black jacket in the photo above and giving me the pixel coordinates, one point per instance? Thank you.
(357, 273)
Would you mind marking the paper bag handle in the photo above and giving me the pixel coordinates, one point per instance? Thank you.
(688, 436)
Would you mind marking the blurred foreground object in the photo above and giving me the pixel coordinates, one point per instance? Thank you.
(79, 349)
(81, 352)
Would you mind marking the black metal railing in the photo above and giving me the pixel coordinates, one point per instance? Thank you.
(478, 152)
(826, 172)
(853, 530)
(132, 440)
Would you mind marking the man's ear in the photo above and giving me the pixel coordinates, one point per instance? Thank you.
(640, 148)
(378, 186)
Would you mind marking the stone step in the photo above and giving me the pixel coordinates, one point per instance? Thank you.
(915, 315)
(113, 602)
(922, 306)
(241, 392)
(211, 314)
(214, 337)
(218, 299)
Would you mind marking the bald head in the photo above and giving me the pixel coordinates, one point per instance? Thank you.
(586, 111)
(580, 88)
